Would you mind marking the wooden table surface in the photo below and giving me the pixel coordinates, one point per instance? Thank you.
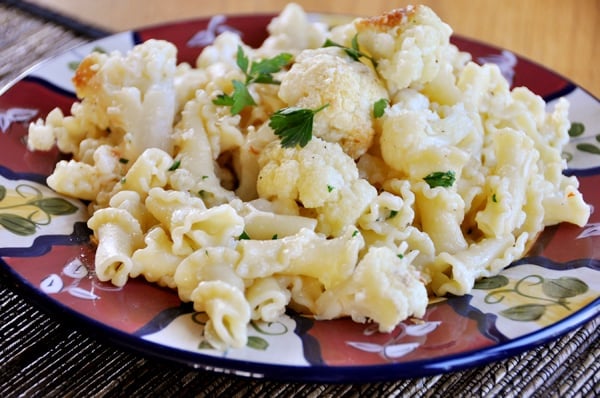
(561, 35)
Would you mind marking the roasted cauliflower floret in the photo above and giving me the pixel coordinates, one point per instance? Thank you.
(350, 88)
(408, 44)
(134, 93)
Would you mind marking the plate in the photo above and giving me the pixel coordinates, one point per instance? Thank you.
(45, 250)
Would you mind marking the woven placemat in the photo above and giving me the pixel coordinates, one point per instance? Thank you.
(42, 356)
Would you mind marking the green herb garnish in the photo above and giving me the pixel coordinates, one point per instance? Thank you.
(353, 52)
(255, 72)
(294, 125)
(238, 100)
(379, 107)
(244, 236)
(440, 179)
(175, 165)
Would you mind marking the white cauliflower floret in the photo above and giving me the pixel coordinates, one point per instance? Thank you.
(219, 63)
(133, 93)
(350, 88)
(312, 175)
(408, 45)
(292, 31)
(384, 288)
(319, 176)
(84, 180)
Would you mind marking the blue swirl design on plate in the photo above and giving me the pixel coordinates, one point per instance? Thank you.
(163, 319)
(545, 262)
(486, 323)
(568, 89)
(310, 345)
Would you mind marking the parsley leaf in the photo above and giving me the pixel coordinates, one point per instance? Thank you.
(440, 179)
(294, 125)
(175, 165)
(241, 97)
(242, 60)
(353, 52)
(261, 71)
(254, 72)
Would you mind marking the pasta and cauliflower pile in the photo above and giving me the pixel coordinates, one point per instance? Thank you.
(346, 171)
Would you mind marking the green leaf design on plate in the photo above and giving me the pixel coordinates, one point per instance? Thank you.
(524, 312)
(17, 224)
(258, 343)
(564, 287)
(73, 65)
(576, 129)
(2, 192)
(54, 206)
(589, 148)
(492, 282)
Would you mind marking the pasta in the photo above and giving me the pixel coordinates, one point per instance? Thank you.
(422, 171)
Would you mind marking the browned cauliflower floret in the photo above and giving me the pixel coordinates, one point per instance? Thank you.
(329, 76)
(409, 45)
(134, 93)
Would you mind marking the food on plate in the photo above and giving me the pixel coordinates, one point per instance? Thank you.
(351, 171)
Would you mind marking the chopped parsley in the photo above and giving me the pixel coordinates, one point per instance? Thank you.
(244, 236)
(294, 125)
(175, 165)
(254, 72)
(393, 213)
(330, 188)
(379, 107)
(440, 179)
(123, 160)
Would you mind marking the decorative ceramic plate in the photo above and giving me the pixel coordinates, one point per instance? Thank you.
(45, 250)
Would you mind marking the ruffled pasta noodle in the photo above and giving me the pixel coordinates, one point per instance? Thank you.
(191, 197)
